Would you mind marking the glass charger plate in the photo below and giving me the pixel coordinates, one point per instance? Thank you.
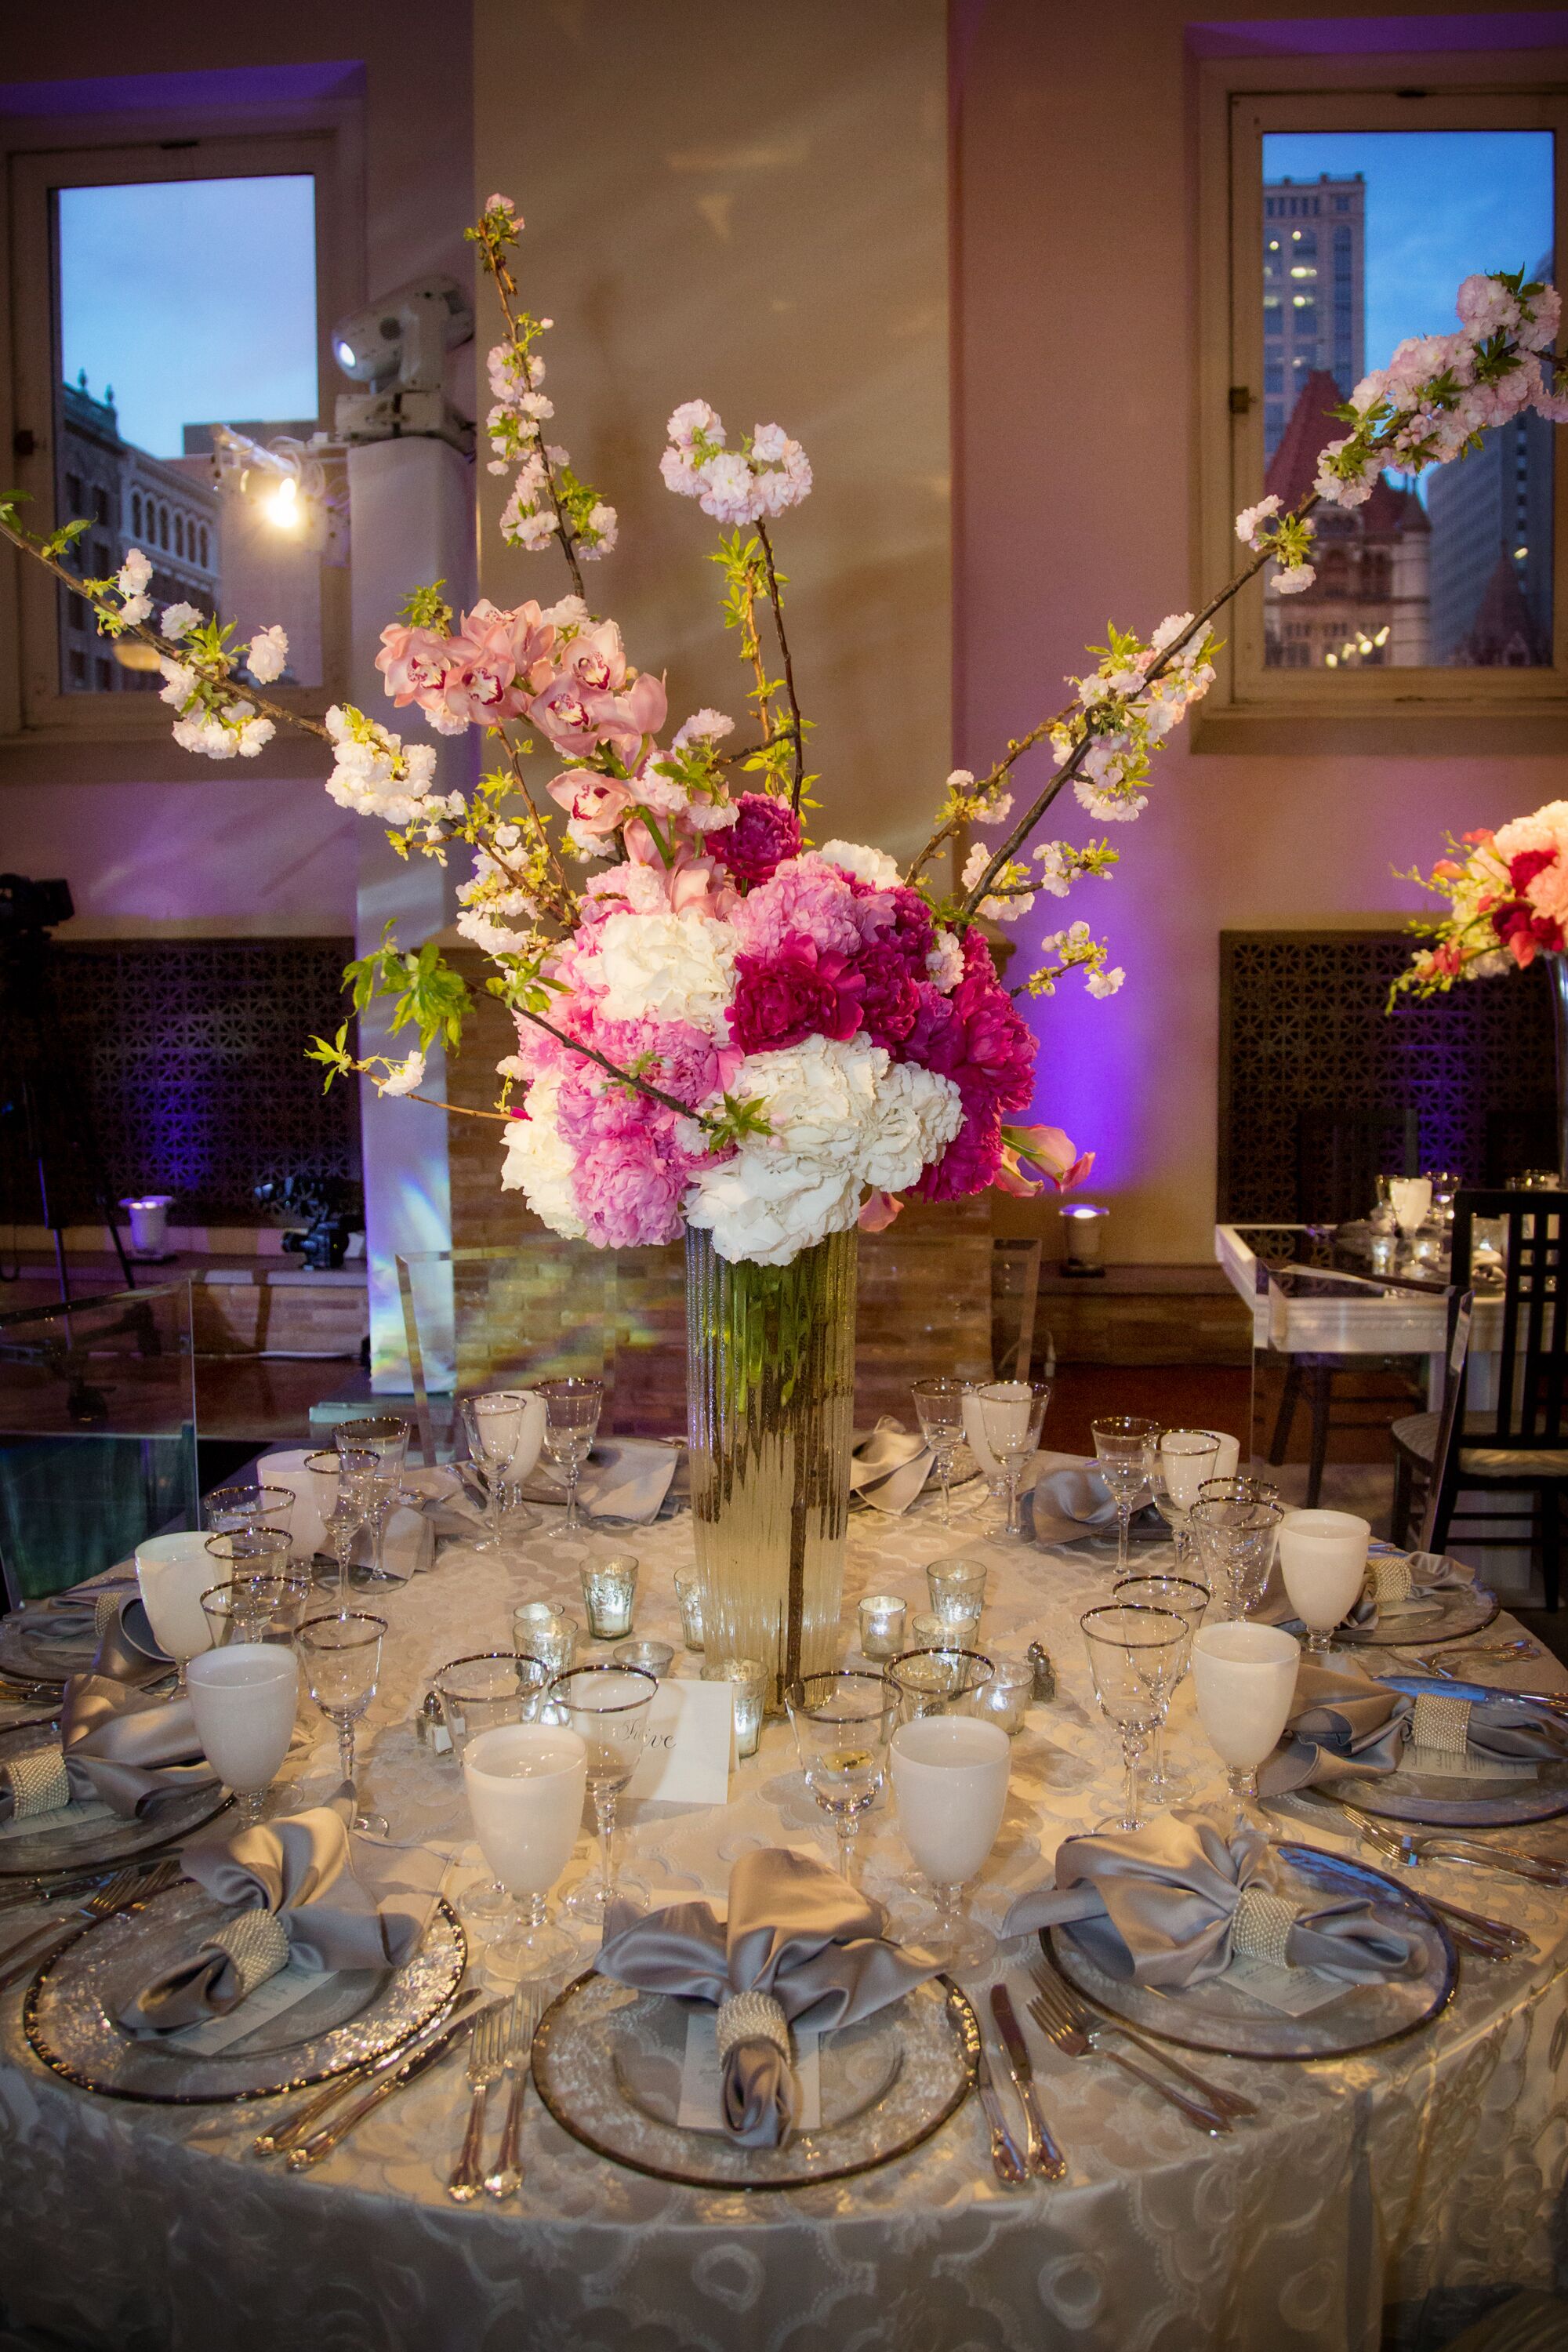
(42, 1644)
(1218, 2015)
(1459, 1611)
(60, 1842)
(71, 2008)
(607, 2064)
(1447, 1802)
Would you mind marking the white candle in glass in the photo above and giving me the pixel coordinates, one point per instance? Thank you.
(172, 1572)
(243, 1699)
(1411, 1199)
(1323, 1559)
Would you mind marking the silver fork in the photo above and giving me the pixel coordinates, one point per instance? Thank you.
(487, 2056)
(522, 2024)
(127, 1891)
(1213, 2095)
(1078, 2036)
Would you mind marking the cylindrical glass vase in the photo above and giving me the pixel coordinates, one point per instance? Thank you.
(771, 1394)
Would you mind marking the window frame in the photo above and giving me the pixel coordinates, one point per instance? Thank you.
(1241, 101)
(34, 711)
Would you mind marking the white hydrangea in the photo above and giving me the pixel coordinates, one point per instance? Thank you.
(873, 866)
(666, 967)
(764, 1208)
(918, 1114)
(539, 1161)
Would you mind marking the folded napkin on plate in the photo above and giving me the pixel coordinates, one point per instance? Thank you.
(1175, 1902)
(305, 1889)
(117, 1748)
(1398, 1584)
(1341, 1722)
(623, 1479)
(889, 1467)
(1072, 1500)
(799, 1946)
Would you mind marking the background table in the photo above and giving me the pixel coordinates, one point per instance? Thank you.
(1437, 2163)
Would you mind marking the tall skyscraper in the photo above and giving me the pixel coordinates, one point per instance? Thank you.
(1314, 291)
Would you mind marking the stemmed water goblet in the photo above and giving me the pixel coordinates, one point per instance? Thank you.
(387, 1438)
(1011, 1413)
(243, 1698)
(476, 1694)
(572, 1408)
(229, 1508)
(1185, 1599)
(1322, 1560)
(342, 1668)
(1123, 1446)
(1182, 1461)
(524, 1784)
(1244, 1680)
(1236, 1545)
(841, 1722)
(949, 1787)
(499, 1424)
(359, 1483)
(1134, 1657)
(938, 1403)
(608, 1707)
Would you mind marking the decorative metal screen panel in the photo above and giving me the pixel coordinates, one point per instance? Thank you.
(1303, 1034)
(181, 1063)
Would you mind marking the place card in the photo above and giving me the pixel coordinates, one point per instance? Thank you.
(291, 1985)
(702, 2077)
(1445, 1764)
(689, 1745)
(1294, 1992)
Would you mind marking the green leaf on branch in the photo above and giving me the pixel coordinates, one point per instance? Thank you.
(423, 986)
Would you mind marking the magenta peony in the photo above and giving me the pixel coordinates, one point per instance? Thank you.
(764, 833)
(975, 1037)
(971, 1160)
(890, 998)
(800, 990)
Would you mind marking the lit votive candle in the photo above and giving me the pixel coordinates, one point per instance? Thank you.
(688, 1593)
(750, 1682)
(547, 1633)
(931, 1633)
(655, 1658)
(882, 1618)
(1005, 1697)
(958, 1593)
(609, 1592)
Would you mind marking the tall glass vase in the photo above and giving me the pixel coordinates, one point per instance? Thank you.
(1558, 967)
(771, 1392)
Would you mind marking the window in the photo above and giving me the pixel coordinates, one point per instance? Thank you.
(130, 358)
(1380, 204)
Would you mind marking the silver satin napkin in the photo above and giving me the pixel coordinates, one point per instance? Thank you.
(123, 1749)
(1341, 1722)
(1072, 1500)
(1158, 1905)
(1429, 1571)
(344, 1902)
(889, 1467)
(799, 1935)
(123, 1648)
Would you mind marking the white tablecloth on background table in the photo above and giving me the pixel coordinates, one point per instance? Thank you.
(1437, 2163)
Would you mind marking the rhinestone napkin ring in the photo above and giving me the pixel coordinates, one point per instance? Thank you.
(751, 2017)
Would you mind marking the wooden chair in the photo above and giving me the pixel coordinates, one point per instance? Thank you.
(1521, 1444)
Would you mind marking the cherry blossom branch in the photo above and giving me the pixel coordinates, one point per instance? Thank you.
(506, 285)
(797, 744)
(621, 1077)
(166, 646)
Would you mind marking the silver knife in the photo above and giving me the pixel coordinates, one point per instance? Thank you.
(283, 2135)
(1044, 2158)
(1009, 2165)
(322, 2143)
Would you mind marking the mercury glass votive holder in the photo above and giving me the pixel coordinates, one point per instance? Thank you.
(546, 1633)
(750, 1682)
(609, 1594)
(882, 1616)
(929, 1631)
(655, 1658)
(688, 1593)
(1005, 1697)
(957, 1590)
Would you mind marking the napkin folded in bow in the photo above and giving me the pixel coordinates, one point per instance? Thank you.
(117, 1747)
(1072, 1500)
(800, 1946)
(1341, 1722)
(304, 1889)
(1175, 1902)
(102, 1625)
(1398, 1584)
(889, 1467)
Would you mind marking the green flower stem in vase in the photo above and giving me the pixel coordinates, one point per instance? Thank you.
(771, 1394)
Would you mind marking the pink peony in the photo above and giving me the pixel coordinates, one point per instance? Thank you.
(764, 833)
(975, 1037)
(628, 1193)
(804, 895)
(891, 999)
(800, 990)
(970, 1161)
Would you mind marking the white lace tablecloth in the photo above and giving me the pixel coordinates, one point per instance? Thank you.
(1437, 2163)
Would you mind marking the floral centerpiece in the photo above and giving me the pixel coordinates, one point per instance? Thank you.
(723, 1028)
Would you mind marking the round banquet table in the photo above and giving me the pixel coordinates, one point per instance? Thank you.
(1365, 2186)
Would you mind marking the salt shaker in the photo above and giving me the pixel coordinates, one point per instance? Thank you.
(1040, 1658)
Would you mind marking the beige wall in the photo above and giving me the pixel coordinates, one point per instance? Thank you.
(1074, 462)
(748, 202)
